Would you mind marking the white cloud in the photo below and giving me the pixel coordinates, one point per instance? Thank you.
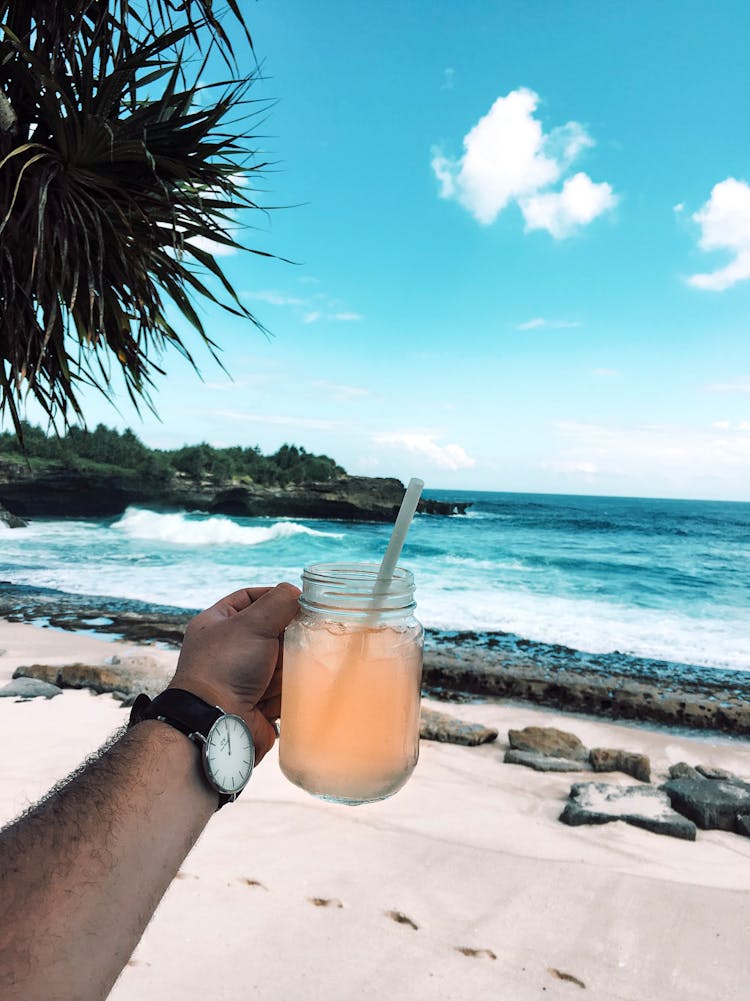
(679, 207)
(273, 298)
(538, 321)
(725, 225)
(424, 444)
(728, 426)
(561, 212)
(301, 422)
(668, 455)
(571, 466)
(341, 392)
(741, 386)
(507, 157)
(211, 246)
(310, 309)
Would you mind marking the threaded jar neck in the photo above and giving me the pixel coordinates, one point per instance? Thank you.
(349, 589)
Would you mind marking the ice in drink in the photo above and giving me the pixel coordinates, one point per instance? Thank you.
(350, 705)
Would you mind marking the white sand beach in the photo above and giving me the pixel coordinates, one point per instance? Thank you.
(286, 897)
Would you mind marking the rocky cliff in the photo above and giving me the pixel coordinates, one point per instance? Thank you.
(56, 491)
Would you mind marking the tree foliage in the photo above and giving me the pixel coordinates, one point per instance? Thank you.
(125, 451)
(115, 171)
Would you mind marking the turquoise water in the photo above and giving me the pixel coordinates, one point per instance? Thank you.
(660, 579)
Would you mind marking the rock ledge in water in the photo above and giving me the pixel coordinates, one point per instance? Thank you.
(11, 520)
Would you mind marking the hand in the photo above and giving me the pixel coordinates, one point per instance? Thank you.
(232, 656)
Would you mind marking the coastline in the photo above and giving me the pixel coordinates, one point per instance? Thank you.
(297, 897)
(460, 666)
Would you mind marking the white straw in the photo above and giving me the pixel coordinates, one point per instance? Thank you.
(398, 535)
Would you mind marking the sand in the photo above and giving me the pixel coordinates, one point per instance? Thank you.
(286, 897)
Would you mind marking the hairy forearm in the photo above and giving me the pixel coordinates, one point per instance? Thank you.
(81, 874)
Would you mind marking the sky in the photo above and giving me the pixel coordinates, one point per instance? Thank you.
(520, 246)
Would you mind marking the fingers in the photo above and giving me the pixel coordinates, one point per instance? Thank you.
(270, 707)
(264, 735)
(238, 600)
(272, 612)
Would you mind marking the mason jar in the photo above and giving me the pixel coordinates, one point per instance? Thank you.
(351, 684)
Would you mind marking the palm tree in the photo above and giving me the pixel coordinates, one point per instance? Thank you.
(116, 170)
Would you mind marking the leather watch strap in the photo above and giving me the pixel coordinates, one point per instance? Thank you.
(183, 710)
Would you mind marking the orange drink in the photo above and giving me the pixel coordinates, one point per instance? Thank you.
(351, 685)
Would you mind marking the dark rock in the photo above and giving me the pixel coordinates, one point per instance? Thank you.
(712, 805)
(29, 688)
(56, 491)
(546, 740)
(611, 685)
(641, 806)
(542, 762)
(10, 519)
(710, 772)
(427, 506)
(451, 730)
(682, 770)
(605, 759)
(130, 675)
(742, 825)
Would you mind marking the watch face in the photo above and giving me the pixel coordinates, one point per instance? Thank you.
(229, 754)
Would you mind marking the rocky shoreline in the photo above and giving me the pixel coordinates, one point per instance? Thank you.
(57, 491)
(461, 666)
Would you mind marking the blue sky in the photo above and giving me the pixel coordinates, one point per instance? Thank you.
(522, 235)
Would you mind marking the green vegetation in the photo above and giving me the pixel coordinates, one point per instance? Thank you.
(110, 451)
(119, 169)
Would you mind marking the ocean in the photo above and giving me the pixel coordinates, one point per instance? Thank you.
(663, 580)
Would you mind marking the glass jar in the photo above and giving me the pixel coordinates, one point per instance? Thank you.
(352, 684)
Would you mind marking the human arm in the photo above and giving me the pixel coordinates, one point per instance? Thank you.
(82, 872)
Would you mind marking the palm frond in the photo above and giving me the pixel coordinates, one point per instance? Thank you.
(112, 176)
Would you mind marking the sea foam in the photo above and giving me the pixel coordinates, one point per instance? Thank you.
(192, 530)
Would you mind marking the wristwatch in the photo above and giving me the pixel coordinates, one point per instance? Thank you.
(227, 748)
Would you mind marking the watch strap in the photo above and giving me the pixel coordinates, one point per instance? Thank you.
(187, 713)
(183, 710)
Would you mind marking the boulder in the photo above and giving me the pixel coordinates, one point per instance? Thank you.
(712, 805)
(548, 741)
(11, 520)
(641, 806)
(682, 770)
(449, 729)
(130, 675)
(29, 688)
(604, 759)
(711, 772)
(542, 762)
(743, 824)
